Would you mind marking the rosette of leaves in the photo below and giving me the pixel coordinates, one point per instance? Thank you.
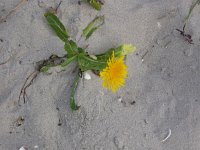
(74, 53)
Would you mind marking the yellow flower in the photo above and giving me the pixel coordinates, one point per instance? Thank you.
(115, 73)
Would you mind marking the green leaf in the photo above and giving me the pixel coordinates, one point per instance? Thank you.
(88, 63)
(73, 105)
(71, 48)
(105, 56)
(93, 26)
(57, 26)
(124, 49)
(74, 46)
(68, 61)
(95, 4)
(91, 32)
(80, 50)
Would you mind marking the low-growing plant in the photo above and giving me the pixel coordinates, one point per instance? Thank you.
(110, 65)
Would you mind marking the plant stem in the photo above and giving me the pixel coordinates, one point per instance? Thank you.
(72, 99)
(191, 9)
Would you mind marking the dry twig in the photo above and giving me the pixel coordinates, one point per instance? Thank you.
(187, 37)
(27, 83)
(13, 10)
(5, 61)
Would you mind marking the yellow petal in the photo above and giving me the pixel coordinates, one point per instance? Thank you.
(115, 74)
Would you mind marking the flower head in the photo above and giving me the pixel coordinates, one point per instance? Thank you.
(115, 73)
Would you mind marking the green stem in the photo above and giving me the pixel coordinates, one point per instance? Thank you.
(191, 9)
(72, 99)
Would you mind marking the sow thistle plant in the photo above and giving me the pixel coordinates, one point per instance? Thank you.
(110, 65)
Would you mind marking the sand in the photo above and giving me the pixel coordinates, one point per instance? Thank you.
(162, 93)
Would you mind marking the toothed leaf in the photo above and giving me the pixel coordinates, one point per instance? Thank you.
(93, 26)
(57, 26)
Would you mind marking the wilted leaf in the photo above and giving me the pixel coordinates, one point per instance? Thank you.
(52, 61)
(45, 68)
(93, 26)
(125, 49)
(57, 26)
(95, 4)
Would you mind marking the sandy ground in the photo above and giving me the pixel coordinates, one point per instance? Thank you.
(162, 93)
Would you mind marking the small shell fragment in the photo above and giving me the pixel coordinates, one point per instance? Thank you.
(159, 25)
(87, 76)
(119, 99)
(23, 148)
(169, 134)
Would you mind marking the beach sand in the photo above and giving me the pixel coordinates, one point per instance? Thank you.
(158, 109)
